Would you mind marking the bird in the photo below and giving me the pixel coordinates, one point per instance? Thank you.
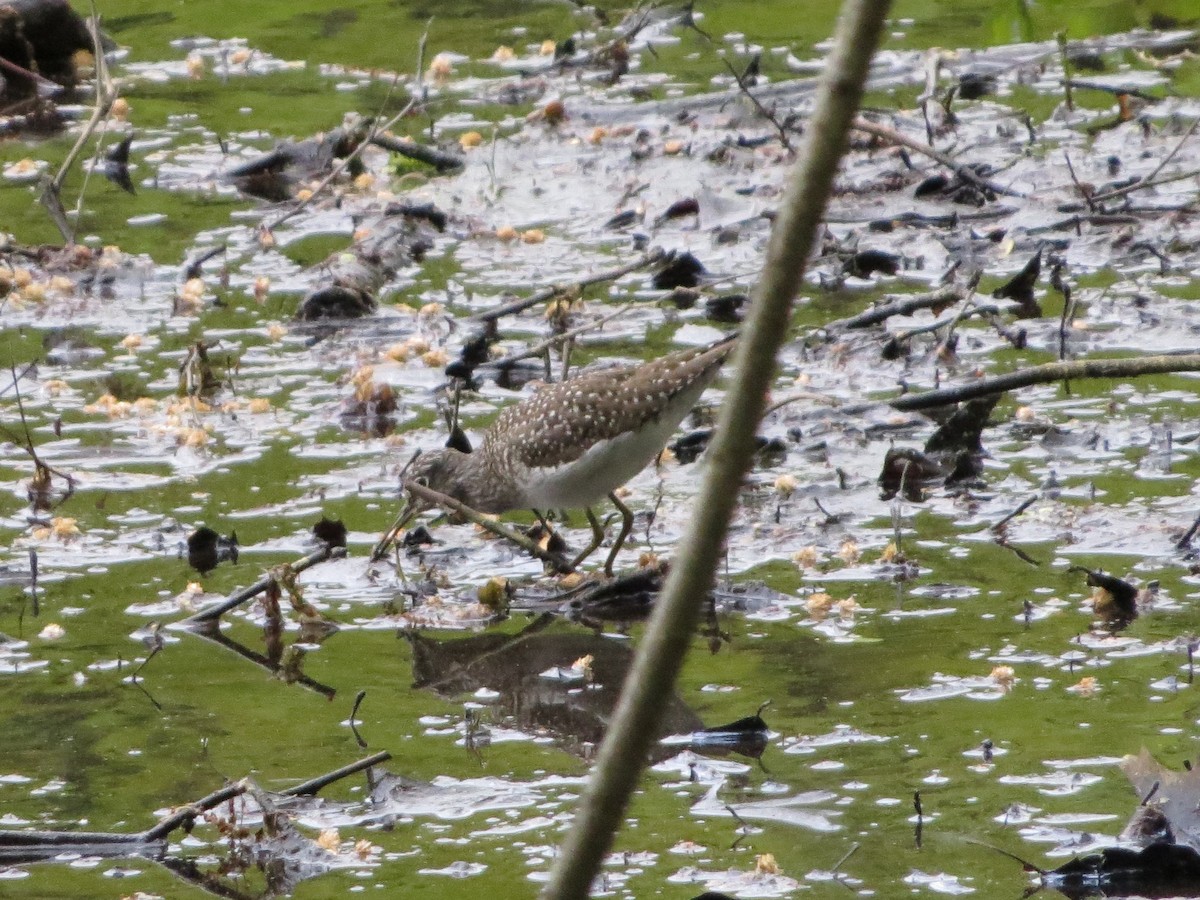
(574, 442)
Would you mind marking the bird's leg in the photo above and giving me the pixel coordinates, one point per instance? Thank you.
(597, 538)
(626, 527)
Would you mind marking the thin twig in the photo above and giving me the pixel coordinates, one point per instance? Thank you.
(1084, 192)
(1148, 181)
(547, 293)
(763, 111)
(1025, 504)
(104, 86)
(353, 717)
(105, 95)
(540, 349)
(1064, 60)
(420, 71)
(42, 471)
(845, 856)
(103, 105)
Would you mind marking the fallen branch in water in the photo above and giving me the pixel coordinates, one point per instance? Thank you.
(29, 846)
(375, 131)
(547, 293)
(314, 785)
(249, 593)
(1050, 372)
(966, 173)
(182, 815)
(945, 297)
(348, 281)
(537, 351)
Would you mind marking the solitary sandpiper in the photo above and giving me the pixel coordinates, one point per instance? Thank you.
(575, 442)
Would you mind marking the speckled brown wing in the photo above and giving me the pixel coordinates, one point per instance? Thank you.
(560, 422)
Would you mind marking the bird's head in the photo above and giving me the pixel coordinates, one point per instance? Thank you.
(439, 471)
(463, 477)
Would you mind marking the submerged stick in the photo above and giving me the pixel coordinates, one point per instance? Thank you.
(1132, 367)
(432, 156)
(622, 755)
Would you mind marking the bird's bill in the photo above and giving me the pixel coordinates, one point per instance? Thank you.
(408, 512)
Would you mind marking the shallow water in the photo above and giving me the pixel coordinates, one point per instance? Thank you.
(884, 679)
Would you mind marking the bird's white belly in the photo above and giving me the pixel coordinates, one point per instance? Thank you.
(602, 469)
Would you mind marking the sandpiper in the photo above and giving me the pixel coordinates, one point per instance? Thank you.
(575, 442)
